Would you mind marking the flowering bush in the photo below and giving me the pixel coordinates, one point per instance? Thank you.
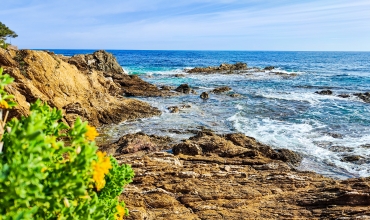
(51, 171)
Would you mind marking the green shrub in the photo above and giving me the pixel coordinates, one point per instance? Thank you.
(51, 171)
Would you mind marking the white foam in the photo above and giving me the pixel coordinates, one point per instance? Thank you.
(310, 97)
(302, 138)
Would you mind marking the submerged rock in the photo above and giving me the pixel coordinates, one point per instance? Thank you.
(324, 92)
(235, 95)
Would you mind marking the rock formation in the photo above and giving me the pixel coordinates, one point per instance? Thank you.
(231, 177)
(131, 85)
(224, 68)
(77, 87)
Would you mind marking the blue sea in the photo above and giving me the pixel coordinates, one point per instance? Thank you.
(282, 111)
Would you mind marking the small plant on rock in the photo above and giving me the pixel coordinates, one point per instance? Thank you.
(51, 171)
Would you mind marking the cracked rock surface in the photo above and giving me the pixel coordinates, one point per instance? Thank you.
(233, 177)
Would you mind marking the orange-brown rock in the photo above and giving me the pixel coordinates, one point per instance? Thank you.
(131, 85)
(234, 177)
(87, 94)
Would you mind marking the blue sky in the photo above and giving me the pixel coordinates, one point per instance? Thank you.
(340, 25)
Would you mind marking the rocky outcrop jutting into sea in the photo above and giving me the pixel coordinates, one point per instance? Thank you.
(81, 87)
(230, 176)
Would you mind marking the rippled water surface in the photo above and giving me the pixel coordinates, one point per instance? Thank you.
(281, 111)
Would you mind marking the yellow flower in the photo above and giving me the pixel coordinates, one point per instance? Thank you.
(100, 169)
(91, 133)
(121, 211)
(4, 104)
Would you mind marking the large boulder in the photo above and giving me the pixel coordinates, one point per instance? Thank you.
(87, 94)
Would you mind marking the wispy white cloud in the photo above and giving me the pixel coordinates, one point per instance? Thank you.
(192, 24)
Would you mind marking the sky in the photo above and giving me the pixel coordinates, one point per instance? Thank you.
(284, 25)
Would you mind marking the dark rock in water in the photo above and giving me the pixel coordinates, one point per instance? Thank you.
(344, 95)
(183, 88)
(289, 157)
(340, 149)
(204, 95)
(223, 68)
(324, 92)
(174, 109)
(221, 90)
(193, 92)
(352, 158)
(363, 96)
(269, 68)
(235, 95)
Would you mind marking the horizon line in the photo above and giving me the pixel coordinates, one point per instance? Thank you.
(203, 50)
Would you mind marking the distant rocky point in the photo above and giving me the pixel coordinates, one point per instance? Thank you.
(224, 68)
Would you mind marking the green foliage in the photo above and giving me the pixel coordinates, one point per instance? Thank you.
(3, 44)
(46, 169)
(5, 32)
(6, 100)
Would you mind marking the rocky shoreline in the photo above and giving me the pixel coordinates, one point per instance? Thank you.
(208, 176)
(230, 176)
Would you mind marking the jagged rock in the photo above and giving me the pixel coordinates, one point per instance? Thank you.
(289, 157)
(130, 85)
(210, 177)
(221, 90)
(99, 60)
(204, 95)
(88, 94)
(324, 92)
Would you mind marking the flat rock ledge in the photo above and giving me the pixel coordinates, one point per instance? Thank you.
(230, 176)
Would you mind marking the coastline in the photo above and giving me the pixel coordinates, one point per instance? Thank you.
(203, 180)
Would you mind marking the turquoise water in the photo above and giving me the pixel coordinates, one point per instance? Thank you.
(283, 112)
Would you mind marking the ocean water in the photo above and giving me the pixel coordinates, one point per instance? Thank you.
(282, 111)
